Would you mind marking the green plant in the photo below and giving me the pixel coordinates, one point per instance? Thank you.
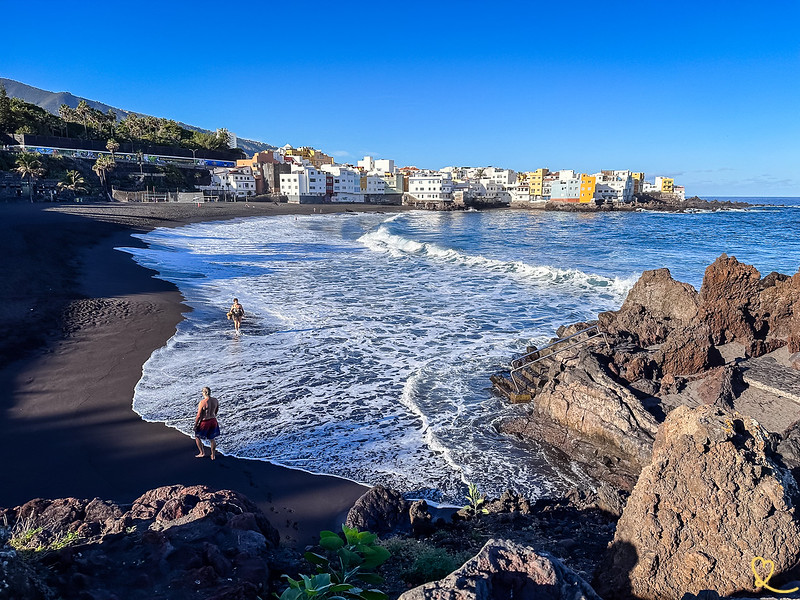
(421, 562)
(476, 501)
(348, 565)
(62, 540)
(24, 535)
(21, 537)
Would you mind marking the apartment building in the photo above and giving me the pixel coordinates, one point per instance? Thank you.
(235, 182)
(304, 181)
(566, 186)
(429, 185)
(665, 184)
(371, 165)
(315, 158)
(614, 186)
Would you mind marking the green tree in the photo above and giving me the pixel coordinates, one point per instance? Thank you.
(73, 182)
(29, 166)
(84, 113)
(103, 166)
(6, 117)
(112, 146)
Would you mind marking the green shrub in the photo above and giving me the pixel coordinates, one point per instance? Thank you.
(419, 562)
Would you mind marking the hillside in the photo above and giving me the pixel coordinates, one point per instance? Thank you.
(51, 101)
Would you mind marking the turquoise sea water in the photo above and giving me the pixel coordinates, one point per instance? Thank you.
(370, 339)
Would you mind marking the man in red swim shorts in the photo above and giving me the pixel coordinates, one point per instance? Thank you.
(205, 424)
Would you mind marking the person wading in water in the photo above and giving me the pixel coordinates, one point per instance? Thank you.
(236, 313)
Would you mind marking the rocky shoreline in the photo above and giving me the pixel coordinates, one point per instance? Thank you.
(651, 203)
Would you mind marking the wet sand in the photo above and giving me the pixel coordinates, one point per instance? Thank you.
(78, 321)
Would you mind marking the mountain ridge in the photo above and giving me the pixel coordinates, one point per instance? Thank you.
(51, 101)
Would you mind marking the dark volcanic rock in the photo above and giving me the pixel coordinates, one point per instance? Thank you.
(688, 350)
(380, 510)
(713, 498)
(174, 542)
(656, 305)
(729, 301)
(421, 520)
(593, 419)
(719, 387)
(504, 570)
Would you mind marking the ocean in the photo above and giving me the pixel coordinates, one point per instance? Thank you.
(370, 338)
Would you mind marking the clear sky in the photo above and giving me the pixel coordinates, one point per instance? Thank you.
(707, 92)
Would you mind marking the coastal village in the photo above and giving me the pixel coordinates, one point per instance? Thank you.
(84, 152)
(307, 175)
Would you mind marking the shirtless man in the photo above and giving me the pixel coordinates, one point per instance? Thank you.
(205, 424)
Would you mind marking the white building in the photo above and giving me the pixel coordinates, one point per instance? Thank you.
(520, 191)
(503, 177)
(304, 180)
(437, 187)
(382, 165)
(373, 184)
(236, 182)
(613, 186)
(345, 179)
(567, 188)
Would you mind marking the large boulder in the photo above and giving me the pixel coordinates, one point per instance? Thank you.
(713, 498)
(687, 351)
(379, 510)
(780, 307)
(503, 570)
(655, 305)
(728, 299)
(592, 419)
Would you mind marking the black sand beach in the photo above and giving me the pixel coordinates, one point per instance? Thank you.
(79, 319)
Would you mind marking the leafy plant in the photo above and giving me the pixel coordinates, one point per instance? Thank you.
(348, 565)
(419, 562)
(476, 502)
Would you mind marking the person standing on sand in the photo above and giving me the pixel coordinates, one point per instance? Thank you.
(236, 313)
(205, 424)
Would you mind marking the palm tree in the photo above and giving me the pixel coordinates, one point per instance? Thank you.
(84, 111)
(102, 166)
(112, 146)
(73, 182)
(29, 165)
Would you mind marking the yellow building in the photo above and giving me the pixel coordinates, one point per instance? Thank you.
(667, 185)
(316, 157)
(588, 184)
(536, 181)
(638, 182)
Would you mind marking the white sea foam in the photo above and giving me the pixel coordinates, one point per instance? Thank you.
(382, 240)
(369, 341)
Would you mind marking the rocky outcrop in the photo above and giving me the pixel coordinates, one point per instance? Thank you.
(663, 351)
(175, 541)
(728, 298)
(593, 419)
(713, 498)
(656, 305)
(504, 570)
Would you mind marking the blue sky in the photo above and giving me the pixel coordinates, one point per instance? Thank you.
(706, 92)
